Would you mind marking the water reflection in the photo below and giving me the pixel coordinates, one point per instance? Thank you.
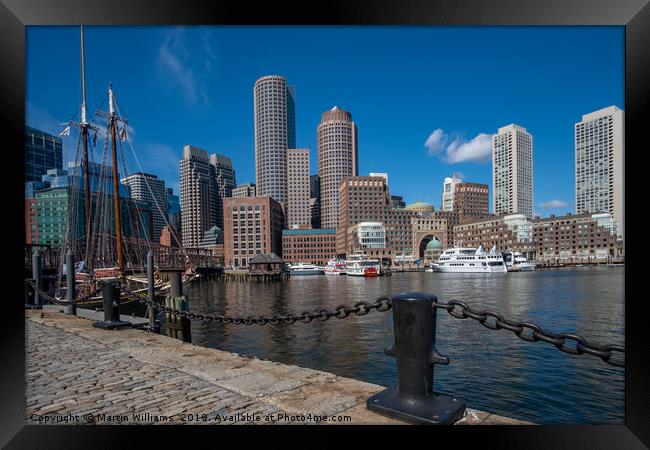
(492, 370)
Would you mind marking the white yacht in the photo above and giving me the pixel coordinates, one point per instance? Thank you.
(305, 269)
(516, 262)
(335, 267)
(357, 263)
(470, 260)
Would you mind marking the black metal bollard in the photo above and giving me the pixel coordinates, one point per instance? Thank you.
(37, 276)
(69, 265)
(111, 297)
(413, 399)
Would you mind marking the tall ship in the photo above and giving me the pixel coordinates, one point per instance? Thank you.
(470, 260)
(358, 262)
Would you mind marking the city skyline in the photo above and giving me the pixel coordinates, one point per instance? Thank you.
(372, 100)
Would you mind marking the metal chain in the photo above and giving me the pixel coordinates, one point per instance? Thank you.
(526, 331)
(531, 332)
(51, 299)
(360, 308)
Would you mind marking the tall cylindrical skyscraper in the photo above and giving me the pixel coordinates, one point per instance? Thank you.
(274, 128)
(337, 159)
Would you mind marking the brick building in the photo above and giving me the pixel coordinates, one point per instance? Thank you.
(252, 226)
(315, 246)
(587, 235)
(506, 232)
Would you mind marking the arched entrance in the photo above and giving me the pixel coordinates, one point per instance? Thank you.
(429, 247)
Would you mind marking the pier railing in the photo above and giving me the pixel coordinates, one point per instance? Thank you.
(414, 326)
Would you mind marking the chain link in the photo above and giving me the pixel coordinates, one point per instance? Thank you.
(531, 332)
(526, 331)
(360, 308)
(86, 299)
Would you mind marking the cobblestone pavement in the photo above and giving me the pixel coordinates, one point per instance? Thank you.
(79, 374)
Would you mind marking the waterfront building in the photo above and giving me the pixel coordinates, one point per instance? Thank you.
(337, 159)
(224, 178)
(274, 104)
(297, 208)
(423, 209)
(173, 211)
(31, 220)
(267, 264)
(429, 233)
(600, 159)
(252, 226)
(312, 246)
(512, 232)
(582, 236)
(452, 219)
(379, 174)
(149, 188)
(471, 200)
(397, 202)
(244, 190)
(42, 152)
(199, 197)
(366, 199)
(512, 171)
(448, 189)
(371, 235)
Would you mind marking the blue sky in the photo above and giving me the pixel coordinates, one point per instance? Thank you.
(194, 85)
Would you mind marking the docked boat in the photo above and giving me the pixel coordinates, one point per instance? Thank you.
(357, 263)
(516, 262)
(470, 260)
(305, 269)
(335, 267)
(370, 272)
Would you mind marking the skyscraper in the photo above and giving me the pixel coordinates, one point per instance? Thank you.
(224, 176)
(173, 210)
(150, 188)
(600, 157)
(298, 213)
(512, 171)
(199, 197)
(42, 152)
(274, 133)
(314, 200)
(449, 186)
(337, 159)
(244, 190)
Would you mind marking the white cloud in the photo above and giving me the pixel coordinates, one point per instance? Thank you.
(455, 149)
(182, 69)
(554, 204)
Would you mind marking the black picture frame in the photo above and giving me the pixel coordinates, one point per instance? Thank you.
(633, 14)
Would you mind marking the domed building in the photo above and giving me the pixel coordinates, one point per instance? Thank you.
(433, 250)
(422, 208)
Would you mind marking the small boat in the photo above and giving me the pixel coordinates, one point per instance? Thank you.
(516, 262)
(335, 267)
(370, 272)
(305, 269)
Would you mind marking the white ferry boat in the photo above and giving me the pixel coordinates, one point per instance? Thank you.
(305, 269)
(335, 267)
(516, 262)
(357, 263)
(470, 260)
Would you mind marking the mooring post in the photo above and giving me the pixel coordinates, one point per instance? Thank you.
(150, 291)
(37, 274)
(69, 265)
(111, 298)
(177, 326)
(413, 399)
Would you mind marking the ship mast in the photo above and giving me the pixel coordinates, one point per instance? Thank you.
(112, 129)
(84, 138)
(116, 193)
(84, 127)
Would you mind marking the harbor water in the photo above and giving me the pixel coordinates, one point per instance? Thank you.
(493, 370)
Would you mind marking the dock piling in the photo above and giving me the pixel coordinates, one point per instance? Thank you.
(70, 278)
